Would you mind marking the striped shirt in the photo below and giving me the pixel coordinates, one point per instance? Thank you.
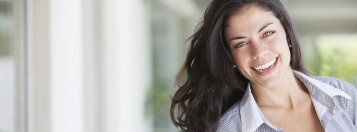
(334, 101)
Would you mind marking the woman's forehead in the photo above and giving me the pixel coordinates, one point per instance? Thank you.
(251, 16)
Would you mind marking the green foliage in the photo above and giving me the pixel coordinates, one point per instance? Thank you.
(4, 44)
(157, 105)
(6, 29)
(335, 59)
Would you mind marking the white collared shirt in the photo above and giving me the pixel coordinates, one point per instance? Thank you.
(334, 101)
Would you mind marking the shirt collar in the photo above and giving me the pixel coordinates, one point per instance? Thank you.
(252, 117)
(311, 83)
(323, 96)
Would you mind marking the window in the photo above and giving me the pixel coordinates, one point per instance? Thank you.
(7, 67)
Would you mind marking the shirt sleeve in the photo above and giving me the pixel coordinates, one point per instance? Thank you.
(349, 105)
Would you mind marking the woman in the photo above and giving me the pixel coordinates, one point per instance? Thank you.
(244, 73)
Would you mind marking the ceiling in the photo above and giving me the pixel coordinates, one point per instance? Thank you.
(324, 16)
(317, 16)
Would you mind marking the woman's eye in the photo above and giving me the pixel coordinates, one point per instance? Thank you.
(268, 33)
(241, 44)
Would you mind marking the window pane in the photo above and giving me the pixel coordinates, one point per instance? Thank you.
(7, 68)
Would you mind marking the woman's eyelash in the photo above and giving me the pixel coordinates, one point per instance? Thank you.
(241, 44)
(268, 33)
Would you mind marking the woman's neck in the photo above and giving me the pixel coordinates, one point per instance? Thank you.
(288, 93)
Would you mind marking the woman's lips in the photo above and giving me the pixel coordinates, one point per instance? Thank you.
(266, 68)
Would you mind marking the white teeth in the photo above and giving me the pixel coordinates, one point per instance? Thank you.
(262, 67)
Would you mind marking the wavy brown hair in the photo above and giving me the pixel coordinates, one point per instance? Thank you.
(210, 82)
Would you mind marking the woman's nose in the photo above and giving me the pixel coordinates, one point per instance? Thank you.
(257, 50)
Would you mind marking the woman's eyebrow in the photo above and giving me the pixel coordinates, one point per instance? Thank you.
(265, 25)
(241, 37)
(236, 37)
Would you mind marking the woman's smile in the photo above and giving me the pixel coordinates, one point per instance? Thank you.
(266, 68)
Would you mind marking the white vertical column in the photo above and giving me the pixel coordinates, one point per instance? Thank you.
(66, 65)
(92, 61)
(110, 66)
(39, 99)
(20, 54)
(133, 63)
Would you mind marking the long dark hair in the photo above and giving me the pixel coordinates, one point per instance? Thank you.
(210, 82)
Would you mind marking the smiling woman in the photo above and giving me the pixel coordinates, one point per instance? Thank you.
(244, 73)
(263, 46)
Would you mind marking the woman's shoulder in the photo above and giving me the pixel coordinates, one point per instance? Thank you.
(231, 119)
(350, 104)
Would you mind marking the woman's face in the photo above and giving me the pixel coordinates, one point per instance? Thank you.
(258, 44)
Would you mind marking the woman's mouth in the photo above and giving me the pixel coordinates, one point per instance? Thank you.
(265, 68)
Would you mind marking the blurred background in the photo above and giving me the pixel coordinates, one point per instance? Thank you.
(110, 65)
